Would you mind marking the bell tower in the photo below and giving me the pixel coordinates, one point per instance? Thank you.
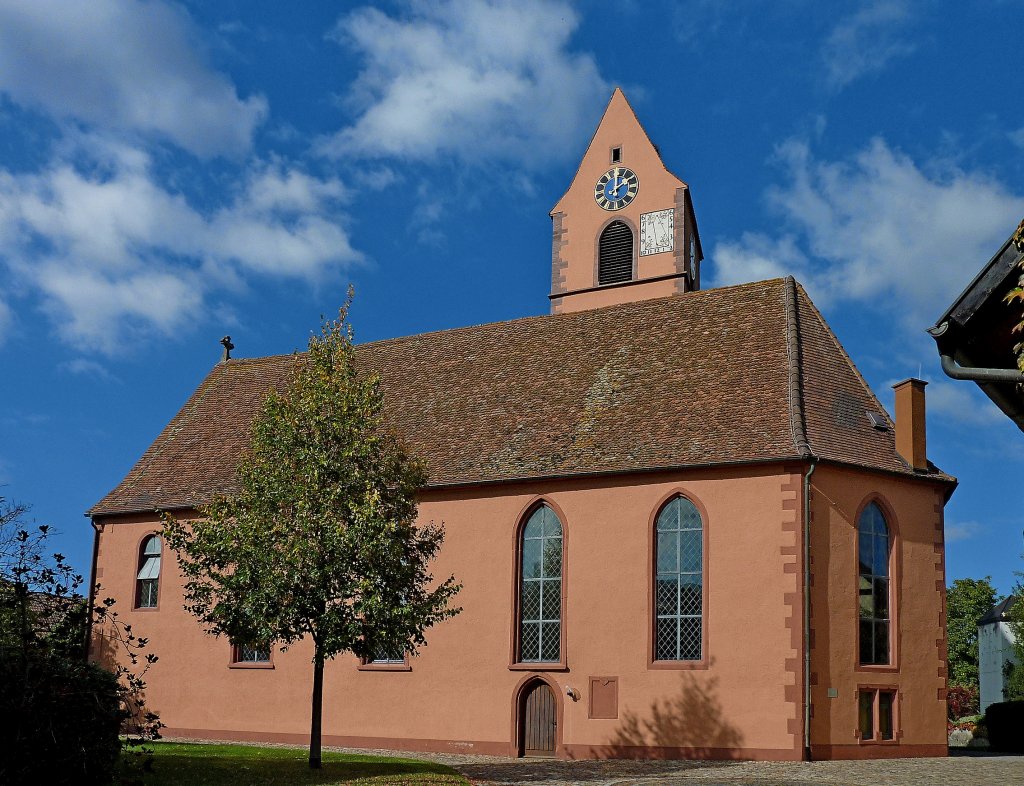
(625, 229)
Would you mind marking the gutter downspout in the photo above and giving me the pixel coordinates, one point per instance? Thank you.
(799, 429)
(807, 605)
(87, 644)
(972, 373)
(975, 374)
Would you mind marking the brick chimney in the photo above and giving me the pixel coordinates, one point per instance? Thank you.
(910, 422)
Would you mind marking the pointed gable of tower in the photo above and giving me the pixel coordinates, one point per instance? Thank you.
(625, 229)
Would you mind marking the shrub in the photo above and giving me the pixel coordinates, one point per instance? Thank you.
(961, 700)
(62, 718)
(1005, 723)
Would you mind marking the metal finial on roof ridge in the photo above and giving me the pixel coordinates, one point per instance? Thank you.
(228, 346)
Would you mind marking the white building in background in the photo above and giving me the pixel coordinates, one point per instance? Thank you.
(995, 648)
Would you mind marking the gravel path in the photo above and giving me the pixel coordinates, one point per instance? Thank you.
(957, 770)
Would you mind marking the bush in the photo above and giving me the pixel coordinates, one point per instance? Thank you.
(62, 719)
(1005, 724)
(961, 700)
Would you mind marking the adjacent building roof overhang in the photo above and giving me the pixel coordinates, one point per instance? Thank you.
(975, 335)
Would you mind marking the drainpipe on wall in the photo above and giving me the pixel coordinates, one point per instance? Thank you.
(87, 644)
(975, 374)
(803, 446)
(807, 606)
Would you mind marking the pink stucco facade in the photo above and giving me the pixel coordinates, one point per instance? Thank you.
(744, 699)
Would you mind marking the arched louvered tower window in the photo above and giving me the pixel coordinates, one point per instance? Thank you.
(615, 254)
(679, 582)
(873, 546)
(540, 588)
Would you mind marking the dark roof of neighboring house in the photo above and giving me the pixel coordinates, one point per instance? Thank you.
(998, 613)
(732, 375)
(977, 330)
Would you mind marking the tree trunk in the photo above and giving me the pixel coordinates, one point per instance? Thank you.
(318, 709)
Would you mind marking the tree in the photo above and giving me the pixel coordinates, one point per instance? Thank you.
(1015, 669)
(1017, 294)
(63, 715)
(967, 601)
(320, 540)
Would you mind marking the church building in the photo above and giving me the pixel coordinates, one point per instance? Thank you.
(685, 526)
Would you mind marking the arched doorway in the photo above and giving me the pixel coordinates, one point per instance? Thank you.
(538, 720)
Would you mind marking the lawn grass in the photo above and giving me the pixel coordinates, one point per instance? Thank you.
(190, 764)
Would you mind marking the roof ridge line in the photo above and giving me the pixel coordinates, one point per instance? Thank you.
(565, 315)
(797, 421)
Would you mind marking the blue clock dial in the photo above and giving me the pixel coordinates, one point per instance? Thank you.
(616, 188)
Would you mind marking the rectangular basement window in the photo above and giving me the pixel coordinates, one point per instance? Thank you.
(251, 656)
(875, 714)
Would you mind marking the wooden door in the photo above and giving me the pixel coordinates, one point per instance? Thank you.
(539, 721)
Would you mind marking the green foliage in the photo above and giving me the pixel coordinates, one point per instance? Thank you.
(1005, 723)
(1017, 294)
(1014, 687)
(967, 601)
(62, 715)
(321, 538)
(181, 764)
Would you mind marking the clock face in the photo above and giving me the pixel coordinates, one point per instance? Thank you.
(616, 188)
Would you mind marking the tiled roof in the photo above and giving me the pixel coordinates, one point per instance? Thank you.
(730, 375)
(998, 613)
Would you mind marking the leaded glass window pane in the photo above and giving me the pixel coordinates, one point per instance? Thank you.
(679, 582)
(148, 592)
(666, 590)
(668, 552)
(540, 593)
(873, 585)
(690, 556)
(384, 657)
(253, 653)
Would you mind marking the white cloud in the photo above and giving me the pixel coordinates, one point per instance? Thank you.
(113, 254)
(473, 79)
(6, 320)
(878, 229)
(1017, 137)
(864, 42)
(755, 257)
(962, 402)
(88, 368)
(962, 530)
(122, 65)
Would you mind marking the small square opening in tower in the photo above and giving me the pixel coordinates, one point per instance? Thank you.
(616, 155)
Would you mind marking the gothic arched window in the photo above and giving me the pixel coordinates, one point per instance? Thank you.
(540, 588)
(679, 582)
(615, 254)
(147, 582)
(873, 547)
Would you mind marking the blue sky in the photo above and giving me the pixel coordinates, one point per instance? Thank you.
(172, 172)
